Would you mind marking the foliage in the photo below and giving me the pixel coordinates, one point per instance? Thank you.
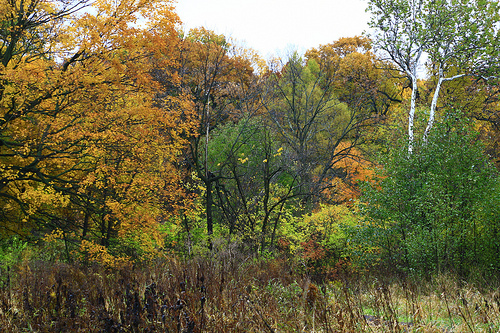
(219, 80)
(310, 123)
(423, 213)
(459, 38)
(87, 145)
(254, 185)
(322, 108)
(319, 240)
(11, 254)
(360, 79)
(124, 140)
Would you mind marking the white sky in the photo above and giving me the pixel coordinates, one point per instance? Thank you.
(273, 27)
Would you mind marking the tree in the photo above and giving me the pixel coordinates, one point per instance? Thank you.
(87, 145)
(32, 108)
(361, 81)
(426, 213)
(219, 81)
(319, 108)
(255, 185)
(478, 99)
(364, 83)
(458, 36)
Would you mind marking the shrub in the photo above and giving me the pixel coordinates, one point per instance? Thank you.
(432, 210)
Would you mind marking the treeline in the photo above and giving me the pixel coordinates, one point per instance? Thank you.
(123, 138)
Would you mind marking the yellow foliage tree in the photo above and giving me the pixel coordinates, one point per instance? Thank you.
(86, 141)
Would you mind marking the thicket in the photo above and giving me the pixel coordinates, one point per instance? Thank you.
(434, 210)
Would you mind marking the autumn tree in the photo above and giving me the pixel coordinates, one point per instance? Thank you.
(319, 109)
(33, 111)
(87, 143)
(366, 83)
(219, 80)
(362, 79)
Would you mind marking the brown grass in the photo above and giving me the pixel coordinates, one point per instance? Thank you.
(233, 294)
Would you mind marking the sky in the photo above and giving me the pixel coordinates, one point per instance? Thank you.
(273, 27)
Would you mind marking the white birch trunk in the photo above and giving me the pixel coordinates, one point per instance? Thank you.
(432, 113)
(411, 115)
(412, 72)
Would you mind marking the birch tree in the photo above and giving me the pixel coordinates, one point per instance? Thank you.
(458, 36)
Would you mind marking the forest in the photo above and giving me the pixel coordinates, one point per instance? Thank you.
(160, 180)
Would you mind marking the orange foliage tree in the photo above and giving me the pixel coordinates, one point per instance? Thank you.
(87, 144)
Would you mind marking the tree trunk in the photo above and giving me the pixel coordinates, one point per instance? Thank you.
(432, 112)
(411, 115)
(209, 205)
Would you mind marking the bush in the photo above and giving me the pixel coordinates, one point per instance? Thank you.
(433, 210)
(11, 253)
(318, 240)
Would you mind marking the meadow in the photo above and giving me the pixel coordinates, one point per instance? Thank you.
(233, 292)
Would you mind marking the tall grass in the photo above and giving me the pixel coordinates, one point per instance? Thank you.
(234, 293)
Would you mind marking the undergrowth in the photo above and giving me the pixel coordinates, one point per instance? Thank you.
(235, 293)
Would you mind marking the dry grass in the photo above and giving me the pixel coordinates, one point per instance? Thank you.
(441, 305)
(233, 294)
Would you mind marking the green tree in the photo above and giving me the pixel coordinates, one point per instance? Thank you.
(423, 215)
(318, 131)
(254, 184)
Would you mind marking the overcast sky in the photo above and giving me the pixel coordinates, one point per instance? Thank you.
(272, 27)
